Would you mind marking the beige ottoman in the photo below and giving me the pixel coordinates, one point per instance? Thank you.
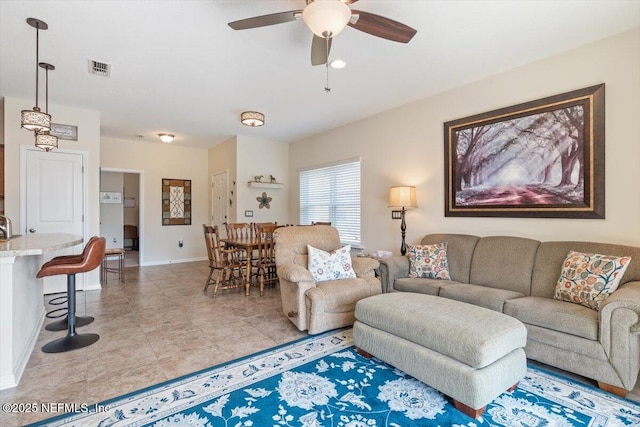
(469, 353)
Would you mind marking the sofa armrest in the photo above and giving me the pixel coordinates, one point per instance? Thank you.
(294, 273)
(364, 266)
(620, 331)
(391, 269)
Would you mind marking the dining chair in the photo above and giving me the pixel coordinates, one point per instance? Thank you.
(239, 230)
(224, 262)
(266, 257)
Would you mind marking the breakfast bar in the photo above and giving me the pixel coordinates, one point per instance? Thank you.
(21, 298)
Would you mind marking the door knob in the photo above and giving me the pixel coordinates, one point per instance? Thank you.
(32, 230)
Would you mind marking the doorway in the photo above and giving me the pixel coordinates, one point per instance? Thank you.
(220, 198)
(123, 224)
(53, 194)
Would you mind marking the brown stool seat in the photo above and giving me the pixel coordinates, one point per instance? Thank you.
(70, 265)
(105, 269)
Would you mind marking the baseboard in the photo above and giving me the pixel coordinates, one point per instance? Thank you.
(171, 261)
(12, 380)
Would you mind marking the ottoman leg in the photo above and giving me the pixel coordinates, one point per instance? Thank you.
(475, 413)
(468, 410)
(363, 353)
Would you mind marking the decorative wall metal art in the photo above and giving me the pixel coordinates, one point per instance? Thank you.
(263, 201)
(541, 159)
(176, 201)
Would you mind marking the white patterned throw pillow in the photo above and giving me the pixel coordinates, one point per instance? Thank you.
(330, 265)
(429, 261)
(588, 279)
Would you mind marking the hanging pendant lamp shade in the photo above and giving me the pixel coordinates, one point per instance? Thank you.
(35, 120)
(44, 140)
(326, 18)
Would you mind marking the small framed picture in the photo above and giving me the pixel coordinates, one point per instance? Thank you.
(110, 197)
(69, 132)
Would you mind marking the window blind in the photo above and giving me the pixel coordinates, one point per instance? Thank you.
(332, 193)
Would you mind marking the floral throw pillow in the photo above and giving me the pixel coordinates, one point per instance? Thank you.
(330, 265)
(429, 261)
(588, 279)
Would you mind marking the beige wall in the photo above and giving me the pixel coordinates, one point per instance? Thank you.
(262, 157)
(405, 146)
(158, 243)
(245, 157)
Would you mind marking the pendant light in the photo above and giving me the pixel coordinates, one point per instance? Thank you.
(35, 120)
(44, 139)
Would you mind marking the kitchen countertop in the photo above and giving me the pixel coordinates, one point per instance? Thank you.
(38, 244)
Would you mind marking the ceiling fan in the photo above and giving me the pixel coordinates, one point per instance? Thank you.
(327, 18)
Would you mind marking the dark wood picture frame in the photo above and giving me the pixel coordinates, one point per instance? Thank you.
(540, 159)
(176, 201)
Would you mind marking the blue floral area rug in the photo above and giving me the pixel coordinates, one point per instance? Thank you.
(321, 381)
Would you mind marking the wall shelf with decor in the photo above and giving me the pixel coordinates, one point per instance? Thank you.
(258, 184)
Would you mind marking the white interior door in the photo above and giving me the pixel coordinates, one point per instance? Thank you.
(219, 199)
(54, 203)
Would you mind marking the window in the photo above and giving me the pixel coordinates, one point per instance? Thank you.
(332, 193)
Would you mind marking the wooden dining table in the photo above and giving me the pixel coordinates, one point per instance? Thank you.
(248, 244)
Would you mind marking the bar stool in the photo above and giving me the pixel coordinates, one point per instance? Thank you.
(63, 324)
(105, 269)
(91, 259)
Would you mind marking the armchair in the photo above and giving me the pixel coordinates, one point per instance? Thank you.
(319, 306)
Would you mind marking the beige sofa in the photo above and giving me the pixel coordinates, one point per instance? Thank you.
(319, 306)
(517, 276)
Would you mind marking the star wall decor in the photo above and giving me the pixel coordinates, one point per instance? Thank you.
(263, 201)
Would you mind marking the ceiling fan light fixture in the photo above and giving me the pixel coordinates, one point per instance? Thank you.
(167, 138)
(326, 18)
(252, 118)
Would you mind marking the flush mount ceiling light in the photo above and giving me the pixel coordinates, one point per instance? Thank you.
(326, 18)
(252, 118)
(166, 137)
(35, 120)
(44, 140)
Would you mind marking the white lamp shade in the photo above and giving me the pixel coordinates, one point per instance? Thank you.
(326, 18)
(46, 142)
(35, 120)
(402, 197)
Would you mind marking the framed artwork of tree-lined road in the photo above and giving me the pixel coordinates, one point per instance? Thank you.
(540, 159)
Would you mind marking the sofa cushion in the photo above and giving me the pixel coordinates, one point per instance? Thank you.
(420, 285)
(556, 315)
(334, 265)
(459, 252)
(504, 262)
(429, 261)
(588, 279)
(482, 296)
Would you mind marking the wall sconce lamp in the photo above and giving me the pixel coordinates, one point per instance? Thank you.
(403, 197)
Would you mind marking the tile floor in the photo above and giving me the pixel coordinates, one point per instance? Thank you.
(156, 326)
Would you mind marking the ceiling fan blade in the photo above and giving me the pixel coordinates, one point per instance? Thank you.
(383, 27)
(264, 20)
(319, 50)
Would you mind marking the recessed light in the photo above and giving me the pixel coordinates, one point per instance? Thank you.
(166, 137)
(338, 63)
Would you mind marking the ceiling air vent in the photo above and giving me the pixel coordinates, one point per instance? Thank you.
(99, 68)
